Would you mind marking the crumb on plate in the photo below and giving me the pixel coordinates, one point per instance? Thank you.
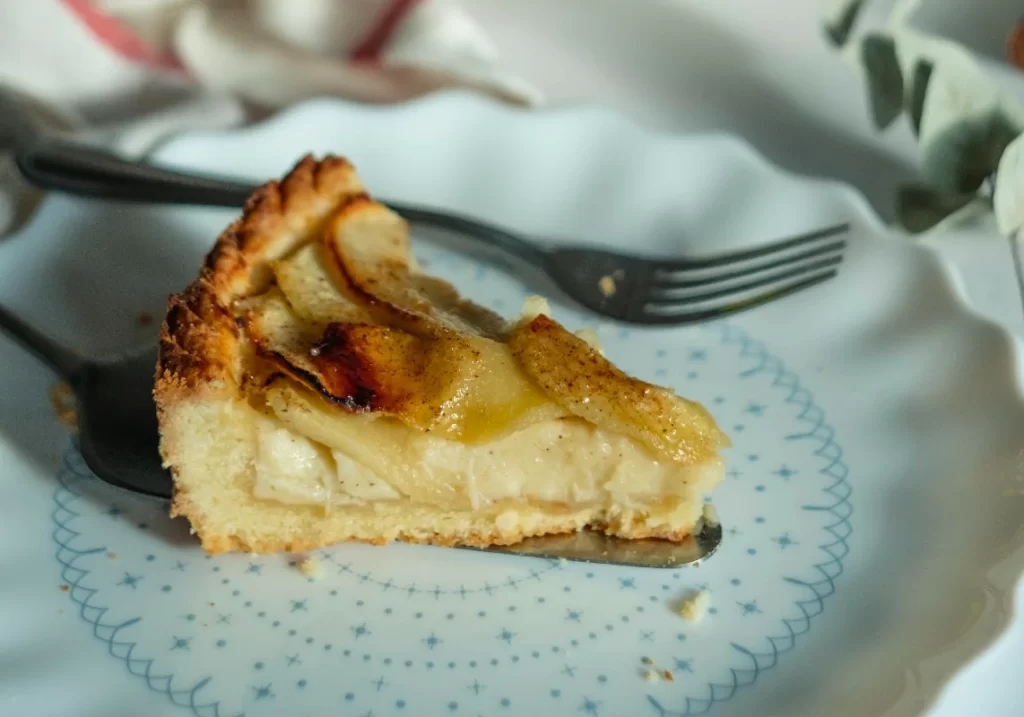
(651, 676)
(144, 319)
(310, 567)
(694, 606)
(607, 285)
(64, 587)
(711, 515)
(62, 399)
(668, 676)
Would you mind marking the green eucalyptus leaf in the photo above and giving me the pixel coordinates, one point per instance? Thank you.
(959, 90)
(918, 91)
(966, 152)
(919, 208)
(838, 29)
(884, 78)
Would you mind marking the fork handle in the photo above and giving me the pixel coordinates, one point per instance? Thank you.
(58, 165)
(62, 360)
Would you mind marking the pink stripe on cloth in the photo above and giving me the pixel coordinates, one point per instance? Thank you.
(370, 49)
(119, 38)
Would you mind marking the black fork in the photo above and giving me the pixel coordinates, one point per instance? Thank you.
(620, 286)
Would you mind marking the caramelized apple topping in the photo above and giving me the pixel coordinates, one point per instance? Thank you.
(353, 320)
(464, 388)
(588, 385)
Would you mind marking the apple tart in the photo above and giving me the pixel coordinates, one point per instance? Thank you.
(315, 386)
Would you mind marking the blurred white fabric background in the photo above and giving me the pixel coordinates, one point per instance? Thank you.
(127, 73)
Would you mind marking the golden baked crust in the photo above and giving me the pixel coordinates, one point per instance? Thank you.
(199, 336)
(199, 352)
(397, 353)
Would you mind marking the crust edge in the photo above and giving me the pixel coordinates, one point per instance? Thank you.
(216, 543)
(199, 345)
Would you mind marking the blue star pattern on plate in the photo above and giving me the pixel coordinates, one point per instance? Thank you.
(433, 631)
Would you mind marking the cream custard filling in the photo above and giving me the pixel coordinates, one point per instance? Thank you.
(568, 462)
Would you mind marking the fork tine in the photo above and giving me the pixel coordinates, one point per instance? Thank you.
(665, 315)
(683, 279)
(757, 252)
(760, 282)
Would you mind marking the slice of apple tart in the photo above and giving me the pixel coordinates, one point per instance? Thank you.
(314, 386)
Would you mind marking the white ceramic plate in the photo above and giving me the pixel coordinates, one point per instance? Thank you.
(871, 502)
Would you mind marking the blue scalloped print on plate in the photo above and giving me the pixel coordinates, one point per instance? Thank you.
(415, 630)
